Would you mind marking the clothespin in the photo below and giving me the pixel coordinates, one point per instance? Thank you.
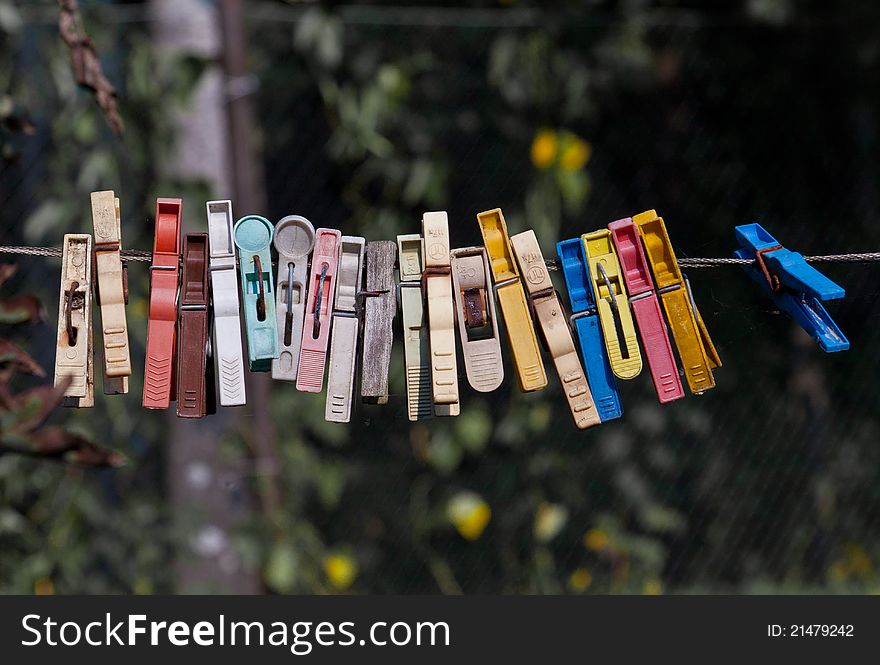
(379, 308)
(111, 291)
(646, 309)
(159, 384)
(416, 349)
(796, 287)
(73, 346)
(227, 312)
(344, 330)
(437, 278)
(695, 348)
(554, 326)
(509, 288)
(316, 323)
(618, 328)
(253, 237)
(192, 354)
(294, 241)
(585, 318)
(477, 318)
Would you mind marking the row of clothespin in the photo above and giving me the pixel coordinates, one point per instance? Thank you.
(332, 295)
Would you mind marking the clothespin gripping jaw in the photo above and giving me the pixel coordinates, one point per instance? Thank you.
(294, 242)
(416, 349)
(111, 290)
(477, 318)
(317, 315)
(611, 300)
(73, 347)
(646, 310)
(192, 360)
(796, 287)
(695, 348)
(511, 296)
(379, 304)
(585, 321)
(345, 328)
(554, 325)
(227, 347)
(253, 237)
(441, 313)
(161, 353)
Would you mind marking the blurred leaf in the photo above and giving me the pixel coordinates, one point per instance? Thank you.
(281, 572)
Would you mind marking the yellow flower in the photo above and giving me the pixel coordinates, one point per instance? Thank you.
(596, 540)
(580, 580)
(652, 587)
(544, 147)
(549, 520)
(341, 571)
(44, 587)
(469, 514)
(575, 154)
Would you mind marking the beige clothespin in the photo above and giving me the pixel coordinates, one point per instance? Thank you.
(73, 347)
(477, 318)
(344, 331)
(416, 350)
(111, 291)
(441, 314)
(554, 324)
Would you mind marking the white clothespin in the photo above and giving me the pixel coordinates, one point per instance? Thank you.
(344, 331)
(73, 347)
(224, 292)
(477, 318)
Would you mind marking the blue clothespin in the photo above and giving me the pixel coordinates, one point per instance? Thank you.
(795, 286)
(585, 318)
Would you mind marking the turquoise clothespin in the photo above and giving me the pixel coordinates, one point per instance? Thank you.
(253, 236)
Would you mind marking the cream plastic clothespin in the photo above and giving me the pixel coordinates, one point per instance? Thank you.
(554, 324)
(441, 314)
(294, 240)
(111, 291)
(227, 312)
(73, 347)
(477, 318)
(416, 350)
(344, 330)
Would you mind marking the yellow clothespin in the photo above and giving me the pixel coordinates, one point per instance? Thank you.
(698, 354)
(615, 316)
(509, 287)
(554, 324)
(441, 315)
(73, 347)
(111, 291)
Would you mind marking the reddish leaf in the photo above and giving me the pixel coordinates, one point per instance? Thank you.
(30, 408)
(22, 308)
(7, 270)
(15, 359)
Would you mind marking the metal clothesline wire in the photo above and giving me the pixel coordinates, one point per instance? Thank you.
(552, 264)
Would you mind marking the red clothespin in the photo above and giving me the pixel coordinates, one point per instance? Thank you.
(159, 383)
(319, 306)
(646, 308)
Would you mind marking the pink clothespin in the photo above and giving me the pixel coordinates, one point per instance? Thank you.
(319, 308)
(646, 308)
